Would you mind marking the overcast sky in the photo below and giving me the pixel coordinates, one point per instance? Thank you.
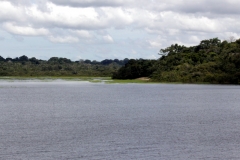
(109, 29)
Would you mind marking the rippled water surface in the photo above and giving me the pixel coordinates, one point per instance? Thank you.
(80, 120)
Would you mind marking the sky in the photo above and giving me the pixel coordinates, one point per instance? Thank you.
(111, 29)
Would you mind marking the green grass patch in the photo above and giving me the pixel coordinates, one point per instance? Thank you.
(128, 81)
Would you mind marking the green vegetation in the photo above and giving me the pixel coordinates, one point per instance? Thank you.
(212, 61)
(58, 67)
(135, 69)
(128, 81)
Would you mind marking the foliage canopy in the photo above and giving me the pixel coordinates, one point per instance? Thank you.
(55, 66)
(212, 61)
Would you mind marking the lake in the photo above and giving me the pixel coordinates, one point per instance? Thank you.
(81, 120)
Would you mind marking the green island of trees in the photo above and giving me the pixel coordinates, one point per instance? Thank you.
(212, 61)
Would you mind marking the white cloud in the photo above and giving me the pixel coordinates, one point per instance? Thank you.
(66, 17)
(90, 3)
(25, 30)
(159, 23)
(9, 12)
(108, 39)
(67, 39)
(82, 33)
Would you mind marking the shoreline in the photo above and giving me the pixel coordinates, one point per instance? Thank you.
(105, 80)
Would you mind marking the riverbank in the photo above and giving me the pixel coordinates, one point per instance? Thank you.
(106, 80)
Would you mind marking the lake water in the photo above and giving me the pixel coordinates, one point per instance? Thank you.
(80, 120)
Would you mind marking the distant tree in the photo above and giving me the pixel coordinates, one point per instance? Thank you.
(87, 61)
(55, 66)
(125, 61)
(8, 59)
(34, 60)
(116, 61)
(15, 59)
(1, 58)
(174, 48)
(106, 61)
(94, 62)
(23, 58)
(53, 59)
(135, 69)
(64, 60)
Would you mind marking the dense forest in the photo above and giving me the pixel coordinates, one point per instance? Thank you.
(24, 66)
(212, 61)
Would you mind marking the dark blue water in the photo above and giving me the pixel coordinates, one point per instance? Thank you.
(76, 120)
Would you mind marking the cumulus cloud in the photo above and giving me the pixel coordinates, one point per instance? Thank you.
(203, 6)
(9, 12)
(158, 22)
(90, 3)
(25, 30)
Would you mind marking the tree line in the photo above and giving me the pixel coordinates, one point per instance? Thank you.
(57, 66)
(211, 61)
